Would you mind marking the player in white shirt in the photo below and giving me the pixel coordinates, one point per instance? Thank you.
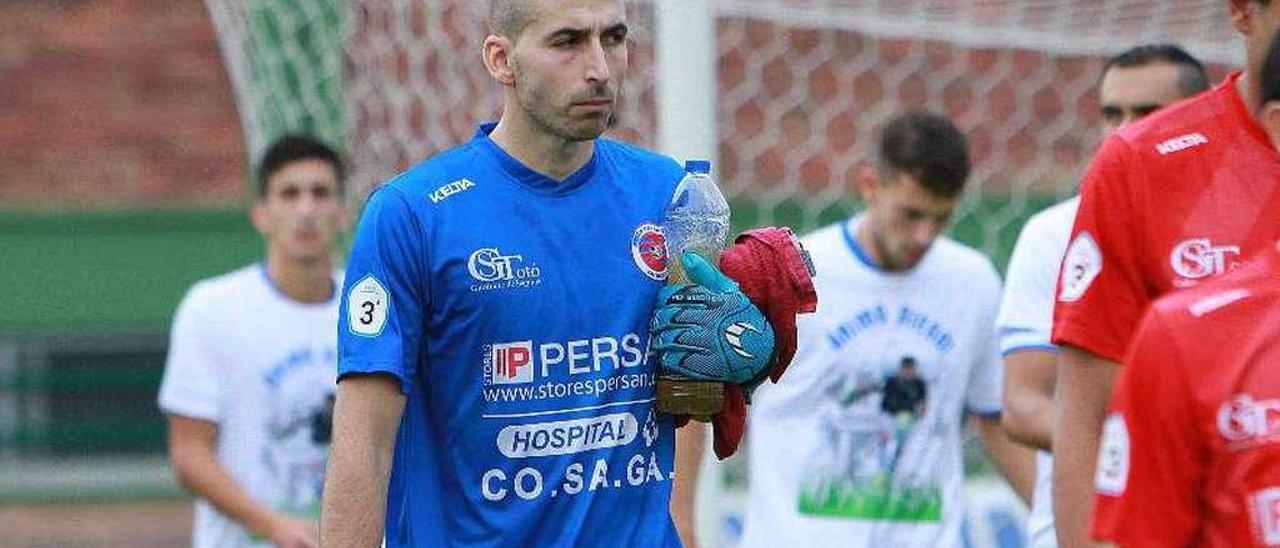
(1134, 84)
(859, 444)
(249, 383)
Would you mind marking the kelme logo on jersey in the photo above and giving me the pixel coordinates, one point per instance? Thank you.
(1245, 422)
(1181, 143)
(1082, 263)
(492, 270)
(649, 251)
(450, 189)
(509, 363)
(1197, 258)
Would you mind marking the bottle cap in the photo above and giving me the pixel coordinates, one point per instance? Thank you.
(697, 166)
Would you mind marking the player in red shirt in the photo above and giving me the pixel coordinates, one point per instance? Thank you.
(1191, 448)
(1181, 196)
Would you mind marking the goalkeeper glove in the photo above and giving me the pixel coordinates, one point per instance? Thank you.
(710, 330)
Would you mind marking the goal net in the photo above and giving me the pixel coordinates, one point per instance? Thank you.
(803, 85)
(802, 88)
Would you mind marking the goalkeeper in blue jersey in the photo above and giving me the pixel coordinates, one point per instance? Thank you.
(496, 383)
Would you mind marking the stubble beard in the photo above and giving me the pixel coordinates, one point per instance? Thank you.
(556, 120)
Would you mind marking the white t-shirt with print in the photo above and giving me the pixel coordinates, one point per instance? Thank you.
(1026, 323)
(846, 450)
(261, 366)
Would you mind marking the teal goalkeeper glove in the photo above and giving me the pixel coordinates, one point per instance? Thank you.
(710, 330)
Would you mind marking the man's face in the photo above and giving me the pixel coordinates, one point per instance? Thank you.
(302, 212)
(904, 218)
(569, 63)
(1127, 94)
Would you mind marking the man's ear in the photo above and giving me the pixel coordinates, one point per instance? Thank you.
(497, 59)
(1241, 11)
(258, 216)
(867, 181)
(1269, 117)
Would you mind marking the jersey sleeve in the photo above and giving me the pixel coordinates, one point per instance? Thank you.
(984, 395)
(380, 323)
(1149, 460)
(1025, 321)
(190, 385)
(1101, 293)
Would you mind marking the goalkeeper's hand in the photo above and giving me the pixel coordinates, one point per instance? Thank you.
(710, 330)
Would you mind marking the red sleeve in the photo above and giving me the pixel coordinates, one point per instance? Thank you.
(1101, 293)
(1149, 461)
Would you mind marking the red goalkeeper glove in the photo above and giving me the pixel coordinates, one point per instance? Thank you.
(777, 276)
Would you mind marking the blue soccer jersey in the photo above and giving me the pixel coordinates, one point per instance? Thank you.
(514, 310)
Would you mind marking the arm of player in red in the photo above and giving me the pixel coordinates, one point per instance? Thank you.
(1149, 462)
(774, 272)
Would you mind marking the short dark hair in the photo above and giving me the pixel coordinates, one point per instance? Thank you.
(927, 147)
(1269, 76)
(1192, 78)
(509, 17)
(292, 148)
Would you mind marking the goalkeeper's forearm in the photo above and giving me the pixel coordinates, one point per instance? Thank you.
(365, 422)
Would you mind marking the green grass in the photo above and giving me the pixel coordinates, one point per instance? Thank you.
(876, 499)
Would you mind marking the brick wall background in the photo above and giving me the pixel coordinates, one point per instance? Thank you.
(116, 103)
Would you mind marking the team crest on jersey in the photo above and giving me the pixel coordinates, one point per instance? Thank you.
(649, 251)
(1083, 263)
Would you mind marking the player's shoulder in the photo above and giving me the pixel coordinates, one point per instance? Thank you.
(826, 241)
(1046, 233)
(962, 261)
(450, 171)
(645, 163)
(233, 286)
(626, 152)
(1054, 219)
(1186, 128)
(1240, 291)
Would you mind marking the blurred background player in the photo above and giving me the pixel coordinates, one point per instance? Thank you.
(1134, 83)
(910, 314)
(1190, 454)
(1185, 195)
(248, 386)
(494, 380)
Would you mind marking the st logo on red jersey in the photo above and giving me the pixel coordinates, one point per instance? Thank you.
(1195, 259)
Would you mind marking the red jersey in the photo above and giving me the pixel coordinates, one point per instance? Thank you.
(1178, 197)
(1190, 453)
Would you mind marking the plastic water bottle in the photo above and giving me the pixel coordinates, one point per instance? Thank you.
(697, 219)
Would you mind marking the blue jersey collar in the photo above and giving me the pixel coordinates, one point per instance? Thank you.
(851, 240)
(529, 178)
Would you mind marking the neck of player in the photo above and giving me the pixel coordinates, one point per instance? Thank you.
(537, 148)
(308, 281)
